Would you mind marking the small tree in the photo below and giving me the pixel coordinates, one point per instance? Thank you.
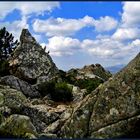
(7, 46)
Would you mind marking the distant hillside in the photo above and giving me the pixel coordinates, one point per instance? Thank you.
(89, 77)
(115, 69)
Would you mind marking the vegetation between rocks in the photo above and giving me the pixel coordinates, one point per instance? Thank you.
(87, 83)
(57, 91)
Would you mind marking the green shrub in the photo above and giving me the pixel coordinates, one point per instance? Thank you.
(62, 92)
(57, 91)
(46, 88)
(88, 84)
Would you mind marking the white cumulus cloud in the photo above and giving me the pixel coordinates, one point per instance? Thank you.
(26, 8)
(15, 27)
(67, 27)
(102, 48)
(60, 26)
(131, 14)
(59, 45)
(105, 24)
(126, 33)
(129, 27)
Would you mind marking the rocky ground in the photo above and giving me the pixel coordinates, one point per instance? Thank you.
(111, 110)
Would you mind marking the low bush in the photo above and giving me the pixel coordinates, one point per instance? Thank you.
(62, 92)
(57, 91)
(46, 88)
(88, 84)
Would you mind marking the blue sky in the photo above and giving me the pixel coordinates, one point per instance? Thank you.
(78, 33)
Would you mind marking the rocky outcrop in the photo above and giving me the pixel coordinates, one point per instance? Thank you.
(112, 110)
(30, 62)
(14, 82)
(54, 127)
(90, 71)
(12, 124)
(33, 115)
(97, 70)
(85, 80)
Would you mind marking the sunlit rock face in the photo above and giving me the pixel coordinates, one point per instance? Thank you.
(30, 62)
(112, 110)
(90, 72)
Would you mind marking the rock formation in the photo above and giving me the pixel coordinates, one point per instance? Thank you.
(87, 78)
(30, 62)
(34, 118)
(20, 85)
(90, 71)
(112, 110)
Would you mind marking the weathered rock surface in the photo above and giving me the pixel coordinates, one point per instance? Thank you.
(78, 94)
(40, 116)
(91, 71)
(18, 126)
(85, 80)
(12, 98)
(54, 127)
(12, 125)
(109, 111)
(30, 62)
(14, 82)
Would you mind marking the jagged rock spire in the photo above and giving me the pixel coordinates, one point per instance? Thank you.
(30, 62)
(26, 36)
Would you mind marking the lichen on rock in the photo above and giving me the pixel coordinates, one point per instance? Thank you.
(30, 62)
(12, 98)
(18, 126)
(112, 102)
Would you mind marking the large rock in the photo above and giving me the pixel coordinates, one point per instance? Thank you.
(18, 126)
(14, 82)
(55, 126)
(40, 116)
(12, 98)
(112, 110)
(30, 62)
(78, 94)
